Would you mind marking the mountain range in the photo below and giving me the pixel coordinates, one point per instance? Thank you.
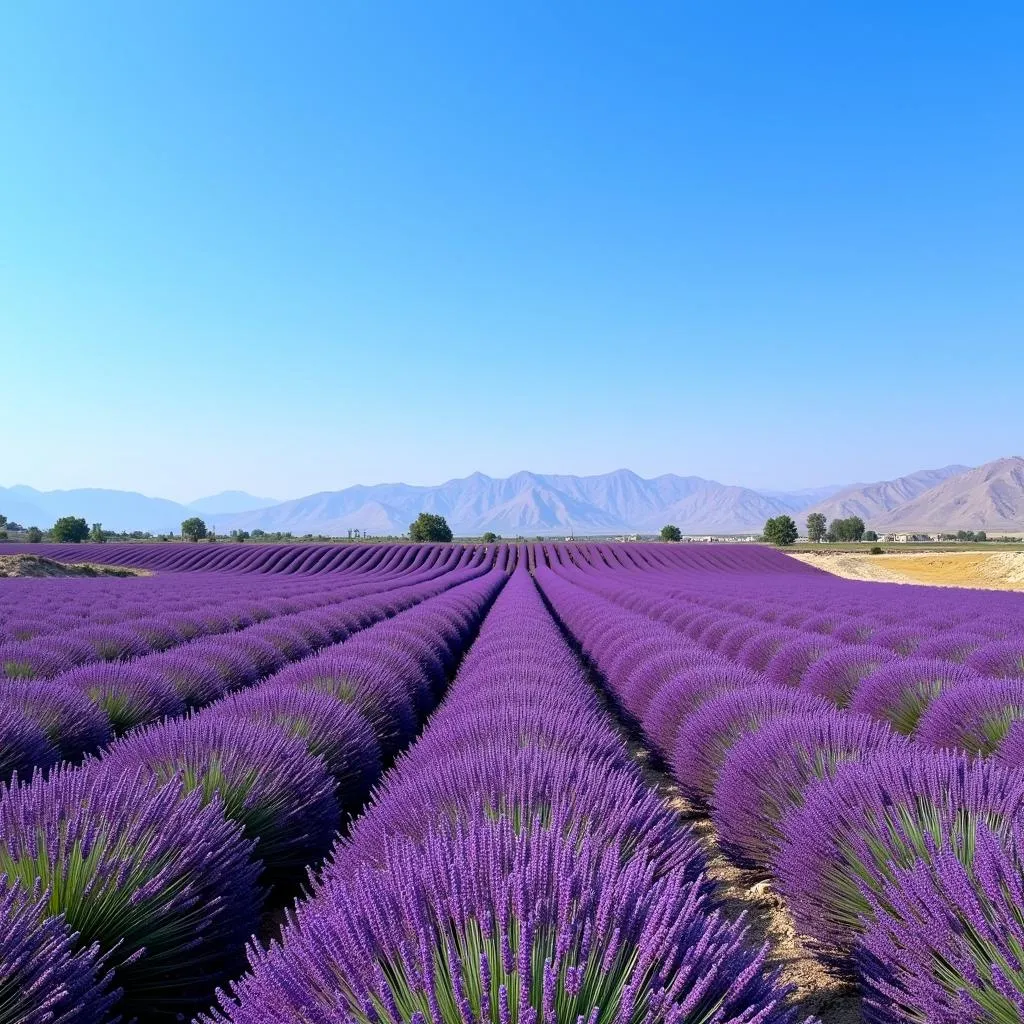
(119, 510)
(990, 497)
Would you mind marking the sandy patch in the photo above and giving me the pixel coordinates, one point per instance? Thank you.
(35, 567)
(998, 570)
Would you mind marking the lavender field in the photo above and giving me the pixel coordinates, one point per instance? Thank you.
(524, 784)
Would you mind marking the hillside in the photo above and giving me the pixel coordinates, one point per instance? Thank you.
(990, 498)
(871, 501)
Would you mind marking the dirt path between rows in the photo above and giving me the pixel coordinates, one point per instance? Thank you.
(998, 570)
(818, 991)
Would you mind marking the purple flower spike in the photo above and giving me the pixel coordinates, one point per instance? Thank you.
(975, 717)
(162, 885)
(128, 694)
(23, 745)
(901, 692)
(792, 660)
(841, 847)
(767, 772)
(266, 780)
(69, 719)
(703, 742)
(45, 977)
(330, 729)
(945, 942)
(1003, 659)
(682, 695)
(389, 939)
(838, 674)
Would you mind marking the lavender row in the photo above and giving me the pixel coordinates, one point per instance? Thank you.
(901, 862)
(171, 614)
(954, 692)
(907, 620)
(514, 867)
(131, 884)
(43, 722)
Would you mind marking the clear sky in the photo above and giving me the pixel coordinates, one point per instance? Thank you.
(292, 247)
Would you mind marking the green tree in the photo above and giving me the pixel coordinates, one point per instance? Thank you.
(981, 535)
(671, 533)
(870, 535)
(781, 531)
(70, 530)
(193, 529)
(96, 534)
(241, 536)
(3, 522)
(816, 527)
(490, 537)
(430, 528)
(33, 535)
(846, 530)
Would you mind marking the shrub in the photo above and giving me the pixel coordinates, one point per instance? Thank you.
(66, 715)
(705, 738)
(1003, 659)
(766, 773)
(46, 978)
(507, 928)
(197, 680)
(683, 694)
(876, 550)
(792, 660)
(854, 830)
(838, 673)
(557, 788)
(23, 745)
(160, 884)
(129, 695)
(945, 941)
(901, 692)
(330, 729)
(264, 779)
(975, 717)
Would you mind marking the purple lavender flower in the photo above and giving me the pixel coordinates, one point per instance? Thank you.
(330, 729)
(792, 660)
(975, 716)
(901, 692)
(266, 780)
(1003, 659)
(707, 735)
(946, 941)
(69, 719)
(856, 828)
(554, 918)
(129, 695)
(23, 745)
(160, 884)
(45, 977)
(767, 772)
(682, 695)
(839, 672)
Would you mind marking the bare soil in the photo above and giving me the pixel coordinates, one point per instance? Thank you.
(997, 570)
(817, 990)
(36, 567)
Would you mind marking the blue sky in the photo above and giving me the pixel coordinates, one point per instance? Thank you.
(291, 247)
